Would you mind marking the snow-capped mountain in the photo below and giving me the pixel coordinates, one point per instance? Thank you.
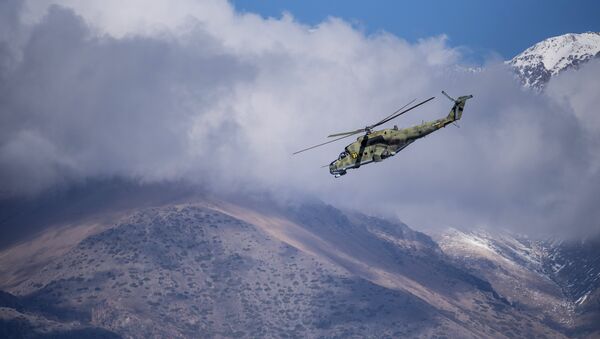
(558, 279)
(537, 64)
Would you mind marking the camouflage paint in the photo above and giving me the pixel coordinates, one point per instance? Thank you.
(379, 145)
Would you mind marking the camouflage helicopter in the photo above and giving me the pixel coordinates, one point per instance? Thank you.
(375, 146)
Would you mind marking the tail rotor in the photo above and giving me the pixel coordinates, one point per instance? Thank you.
(459, 106)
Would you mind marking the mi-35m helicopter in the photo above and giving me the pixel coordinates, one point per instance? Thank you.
(376, 146)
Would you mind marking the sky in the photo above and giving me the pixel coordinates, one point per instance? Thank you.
(484, 28)
(197, 91)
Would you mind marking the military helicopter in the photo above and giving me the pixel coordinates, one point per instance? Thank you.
(375, 146)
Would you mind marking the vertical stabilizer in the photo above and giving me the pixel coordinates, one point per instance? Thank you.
(459, 106)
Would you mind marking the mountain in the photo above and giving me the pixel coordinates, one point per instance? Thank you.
(559, 280)
(575, 267)
(207, 267)
(537, 64)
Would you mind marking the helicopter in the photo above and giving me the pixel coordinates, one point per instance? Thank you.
(376, 146)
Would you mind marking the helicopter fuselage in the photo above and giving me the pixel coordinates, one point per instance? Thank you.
(382, 144)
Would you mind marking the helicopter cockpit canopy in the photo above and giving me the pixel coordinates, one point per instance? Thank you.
(342, 155)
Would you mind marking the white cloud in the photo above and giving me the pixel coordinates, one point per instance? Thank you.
(161, 90)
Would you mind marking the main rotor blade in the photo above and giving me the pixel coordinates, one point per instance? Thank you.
(364, 129)
(325, 143)
(399, 114)
(398, 110)
(346, 133)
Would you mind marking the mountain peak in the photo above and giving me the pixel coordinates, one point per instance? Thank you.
(549, 57)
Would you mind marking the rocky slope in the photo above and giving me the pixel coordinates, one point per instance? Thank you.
(211, 268)
(575, 267)
(537, 64)
(559, 280)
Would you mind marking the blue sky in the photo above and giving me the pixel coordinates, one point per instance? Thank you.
(485, 28)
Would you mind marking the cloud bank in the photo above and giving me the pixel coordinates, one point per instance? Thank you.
(195, 91)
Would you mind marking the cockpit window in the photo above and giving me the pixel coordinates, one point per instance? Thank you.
(342, 155)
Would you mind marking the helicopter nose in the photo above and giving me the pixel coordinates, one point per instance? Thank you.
(335, 170)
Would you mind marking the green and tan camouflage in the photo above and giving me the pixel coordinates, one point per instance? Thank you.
(376, 146)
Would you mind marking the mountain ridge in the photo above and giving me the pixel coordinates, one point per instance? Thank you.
(536, 65)
(553, 277)
(228, 270)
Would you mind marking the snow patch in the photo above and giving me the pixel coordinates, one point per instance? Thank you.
(582, 299)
